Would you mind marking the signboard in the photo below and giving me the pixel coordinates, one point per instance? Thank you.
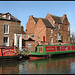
(8, 52)
(50, 48)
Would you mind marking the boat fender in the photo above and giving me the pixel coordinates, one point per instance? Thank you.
(20, 57)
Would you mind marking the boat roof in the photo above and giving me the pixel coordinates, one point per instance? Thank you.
(58, 45)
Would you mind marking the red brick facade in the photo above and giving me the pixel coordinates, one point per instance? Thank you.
(41, 28)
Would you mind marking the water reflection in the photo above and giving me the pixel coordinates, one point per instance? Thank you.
(52, 66)
(8, 67)
(58, 65)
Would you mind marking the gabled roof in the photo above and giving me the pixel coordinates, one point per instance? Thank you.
(12, 17)
(47, 23)
(30, 39)
(15, 19)
(35, 19)
(57, 19)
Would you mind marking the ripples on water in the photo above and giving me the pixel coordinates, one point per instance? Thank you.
(58, 65)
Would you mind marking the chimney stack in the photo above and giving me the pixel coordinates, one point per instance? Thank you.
(22, 28)
(30, 17)
(64, 15)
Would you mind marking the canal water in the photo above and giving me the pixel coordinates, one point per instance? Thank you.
(58, 65)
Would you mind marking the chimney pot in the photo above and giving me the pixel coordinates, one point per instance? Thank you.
(30, 17)
(64, 15)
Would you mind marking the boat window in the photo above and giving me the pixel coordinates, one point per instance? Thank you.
(40, 50)
(58, 48)
(65, 47)
(74, 46)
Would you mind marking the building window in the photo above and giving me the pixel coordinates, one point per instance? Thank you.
(0, 16)
(28, 35)
(6, 41)
(24, 36)
(6, 29)
(58, 26)
(7, 17)
(68, 38)
(51, 39)
(59, 36)
(29, 45)
(32, 35)
(51, 30)
(68, 28)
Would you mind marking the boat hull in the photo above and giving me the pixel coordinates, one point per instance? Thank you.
(9, 57)
(36, 57)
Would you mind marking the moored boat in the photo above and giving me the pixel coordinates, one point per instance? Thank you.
(44, 51)
(8, 52)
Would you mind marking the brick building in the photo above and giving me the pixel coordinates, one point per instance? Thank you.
(10, 30)
(49, 30)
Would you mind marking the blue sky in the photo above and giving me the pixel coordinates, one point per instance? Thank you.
(23, 9)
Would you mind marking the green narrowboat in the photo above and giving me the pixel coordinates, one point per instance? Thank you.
(44, 51)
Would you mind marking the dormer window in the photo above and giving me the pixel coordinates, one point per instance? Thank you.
(7, 17)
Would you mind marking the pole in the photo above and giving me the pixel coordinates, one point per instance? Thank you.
(18, 45)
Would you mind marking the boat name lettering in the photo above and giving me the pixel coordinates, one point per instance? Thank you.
(7, 50)
(50, 48)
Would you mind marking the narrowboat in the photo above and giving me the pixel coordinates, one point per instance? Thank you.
(8, 52)
(45, 51)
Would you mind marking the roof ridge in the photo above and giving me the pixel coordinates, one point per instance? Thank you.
(55, 15)
(35, 17)
(44, 18)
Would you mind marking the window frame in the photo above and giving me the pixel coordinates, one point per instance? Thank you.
(0, 16)
(7, 17)
(51, 30)
(28, 35)
(5, 29)
(32, 35)
(51, 38)
(58, 26)
(68, 28)
(7, 43)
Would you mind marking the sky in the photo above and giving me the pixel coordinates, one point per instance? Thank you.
(23, 9)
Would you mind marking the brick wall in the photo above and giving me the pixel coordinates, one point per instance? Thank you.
(40, 31)
(32, 48)
(14, 27)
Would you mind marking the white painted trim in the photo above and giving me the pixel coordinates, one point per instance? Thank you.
(20, 40)
(8, 28)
